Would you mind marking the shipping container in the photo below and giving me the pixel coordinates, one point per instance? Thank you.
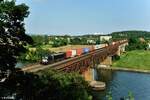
(59, 56)
(74, 53)
(104, 45)
(97, 46)
(79, 51)
(86, 50)
(68, 53)
(113, 43)
(91, 48)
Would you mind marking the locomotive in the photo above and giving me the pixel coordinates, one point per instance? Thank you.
(51, 58)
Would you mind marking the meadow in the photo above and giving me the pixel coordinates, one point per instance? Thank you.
(137, 59)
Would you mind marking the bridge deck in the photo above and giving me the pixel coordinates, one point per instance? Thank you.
(64, 64)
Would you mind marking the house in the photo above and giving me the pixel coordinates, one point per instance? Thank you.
(91, 41)
(105, 37)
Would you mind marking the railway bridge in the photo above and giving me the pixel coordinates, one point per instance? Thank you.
(84, 63)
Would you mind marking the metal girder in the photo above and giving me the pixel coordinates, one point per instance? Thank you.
(82, 62)
(93, 58)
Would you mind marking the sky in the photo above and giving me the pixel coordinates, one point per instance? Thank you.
(77, 17)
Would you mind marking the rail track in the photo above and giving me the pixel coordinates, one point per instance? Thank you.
(62, 65)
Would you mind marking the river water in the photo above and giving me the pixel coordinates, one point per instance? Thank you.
(120, 83)
(22, 64)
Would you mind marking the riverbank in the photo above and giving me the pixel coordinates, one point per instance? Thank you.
(137, 59)
(125, 69)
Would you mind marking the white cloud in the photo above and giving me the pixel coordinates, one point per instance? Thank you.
(98, 33)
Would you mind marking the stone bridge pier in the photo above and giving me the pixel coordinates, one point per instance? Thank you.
(121, 49)
(107, 62)
(88, 74)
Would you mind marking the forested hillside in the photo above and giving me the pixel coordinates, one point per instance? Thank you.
(131, 34)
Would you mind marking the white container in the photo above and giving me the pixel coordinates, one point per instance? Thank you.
(74, 53)
(97, 46)
(104, 45)
(113, 43)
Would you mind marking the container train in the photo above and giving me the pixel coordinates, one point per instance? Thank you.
(51, 58)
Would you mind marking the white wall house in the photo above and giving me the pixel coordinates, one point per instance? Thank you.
(107, 38)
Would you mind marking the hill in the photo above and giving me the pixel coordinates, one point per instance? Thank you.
(131, 34)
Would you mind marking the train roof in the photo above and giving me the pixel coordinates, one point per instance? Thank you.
(59, 53)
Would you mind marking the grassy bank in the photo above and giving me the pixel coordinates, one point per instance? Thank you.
(137, 59)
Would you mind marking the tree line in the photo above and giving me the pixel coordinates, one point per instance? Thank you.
(138, 40)
(131, 34)
(18, 85)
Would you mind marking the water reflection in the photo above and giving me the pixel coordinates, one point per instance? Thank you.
(105, 75)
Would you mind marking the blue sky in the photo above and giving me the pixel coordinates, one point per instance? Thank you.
(86, 16)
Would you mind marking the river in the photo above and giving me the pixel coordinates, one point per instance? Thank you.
(22, 64)
(120, 83)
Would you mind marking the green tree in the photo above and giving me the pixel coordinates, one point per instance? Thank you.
(76, 41)
(136, 44)
(40, 40)
(59, 42)
(56, 43)
(63, 86)
(12, 33)
(46, 85)
(28, 86)
(130, 34)
(98, 41)
(34, 55)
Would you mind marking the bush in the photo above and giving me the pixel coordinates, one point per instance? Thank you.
(67, 86)
(34, 55)
(47, 85)
(136, 44)
(115, 58)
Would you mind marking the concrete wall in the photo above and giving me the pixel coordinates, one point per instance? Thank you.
(107, 61)
(88, 74)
